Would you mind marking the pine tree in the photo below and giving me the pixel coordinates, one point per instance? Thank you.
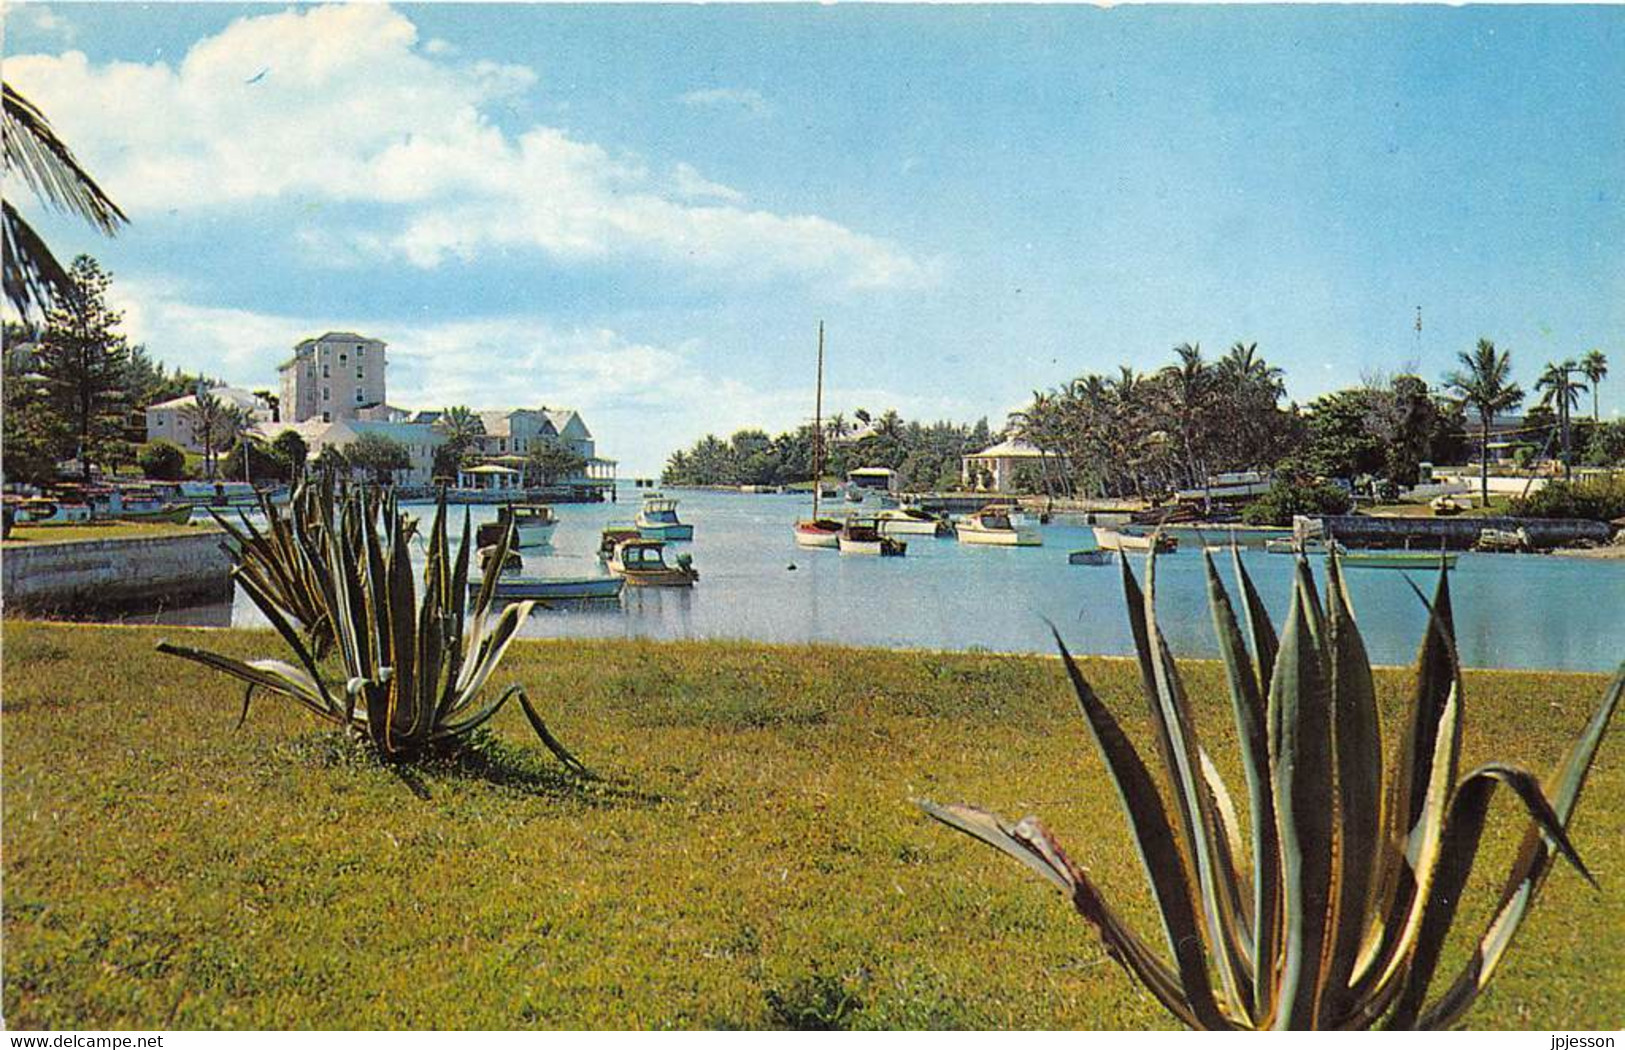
(83, 360)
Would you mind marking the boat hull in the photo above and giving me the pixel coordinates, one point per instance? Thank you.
(1112, 540)
(532, 588)
(178, 514)
(655, 531)
(1396, 560)
(538, 535)
(911, 527)
(812, 536)
(1021, 537)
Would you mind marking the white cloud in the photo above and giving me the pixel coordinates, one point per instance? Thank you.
(642, 399)
(342, 104)
(747, 99)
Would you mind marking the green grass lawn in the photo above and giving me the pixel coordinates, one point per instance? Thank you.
(751, 857)
(34, 535)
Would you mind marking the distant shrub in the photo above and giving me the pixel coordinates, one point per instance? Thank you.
(163, 461)
(1595, 499)
(1286, 499)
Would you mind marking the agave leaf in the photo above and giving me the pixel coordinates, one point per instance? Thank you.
(1158, 846)
(274, 676)
(400, 594)
(489, 653)
(1410, 778)
(273, 614)
(1301, 741)
(1358, 763)
(1529, 870)
(570, 761)
(1250, 713)
(1258, 622)
(1029, 843)
(1469, 808)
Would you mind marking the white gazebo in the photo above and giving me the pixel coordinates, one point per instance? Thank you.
(1000, 463)
(489, 477)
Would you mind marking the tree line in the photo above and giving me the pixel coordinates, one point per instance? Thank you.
(924, 455)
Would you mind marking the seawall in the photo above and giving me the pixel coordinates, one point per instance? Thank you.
(98, 575)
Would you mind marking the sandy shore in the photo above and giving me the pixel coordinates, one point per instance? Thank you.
(1614, 550)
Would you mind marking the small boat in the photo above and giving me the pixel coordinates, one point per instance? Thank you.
(991, 526)
(1288, 545)
(854, 494)
(513, 563)
(1448, 506)
(911, 521)
(138, 504)
(642, 563)
(41, 511)
(534, 523)
(1398, 560)
(1112, 540)
(555, 588)
(219, 494)
(1502, 540)
(613, 535)
(1097, 556)
(657, 520)
(863, 536)
(818, 532)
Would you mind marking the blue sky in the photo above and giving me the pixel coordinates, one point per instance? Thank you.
(643, 212)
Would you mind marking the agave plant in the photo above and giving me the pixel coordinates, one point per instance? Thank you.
(1335, 914)
(415, 670)
(288, 560)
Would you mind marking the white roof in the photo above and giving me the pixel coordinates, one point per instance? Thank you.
(490, 468)
(871, 472)
(1013, 448)
(236, 395)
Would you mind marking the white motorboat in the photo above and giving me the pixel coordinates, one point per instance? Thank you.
(863, 536)
(991, 526)
(911, 521)
(1112, 540)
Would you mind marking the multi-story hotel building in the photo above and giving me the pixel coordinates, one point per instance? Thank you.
(332, 377)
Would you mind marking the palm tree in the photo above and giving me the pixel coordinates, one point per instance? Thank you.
(1190, 381)
(1594, 365)
(1485, 385)
(1562, 395)
(33, 276)
(462, 426)
(216, 424)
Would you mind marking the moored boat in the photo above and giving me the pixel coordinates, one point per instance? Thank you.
(818, 532)
(1112, 540)
(911, 521)
(863, 536)
(642, 563)
(1288, 545)
(1448, 506)
(657, 519)
(533, 523)
(1398, 559)
(556, 588)
(613, 535)
(47, 511)
(991, 526)
(511, 564)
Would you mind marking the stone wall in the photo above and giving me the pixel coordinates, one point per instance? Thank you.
(1354, 530)
(98, 575)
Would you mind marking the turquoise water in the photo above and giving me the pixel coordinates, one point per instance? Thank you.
(1511, 611)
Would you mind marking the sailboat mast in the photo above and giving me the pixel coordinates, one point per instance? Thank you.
(818, 424)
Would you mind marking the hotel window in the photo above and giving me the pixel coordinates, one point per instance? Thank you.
(326, 372)
(327, 417)
(358, 372)
(359, 350)
(327, 393)
(358, 397)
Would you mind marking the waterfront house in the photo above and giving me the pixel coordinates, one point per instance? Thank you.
(994, 468)
(172, 420)
(419, 439)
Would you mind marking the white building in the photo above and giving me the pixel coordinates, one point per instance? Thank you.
(172, 420)
(419, 439)
(335, 376)
(994, 468)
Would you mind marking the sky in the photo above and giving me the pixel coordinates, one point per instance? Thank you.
(644, 212)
